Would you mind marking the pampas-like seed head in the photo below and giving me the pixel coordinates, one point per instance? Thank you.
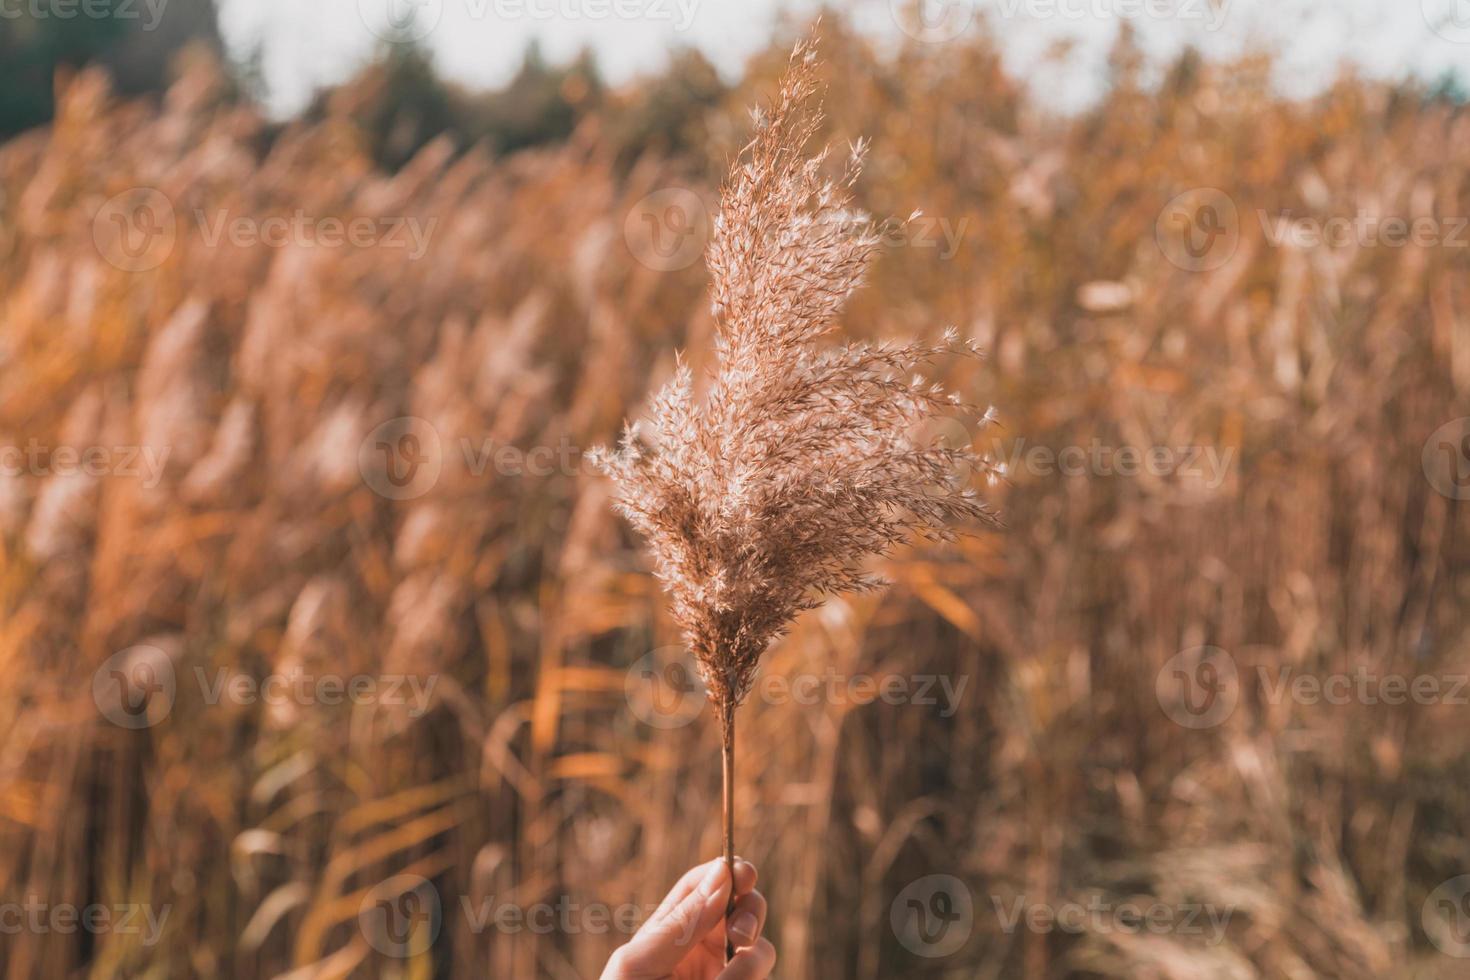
(799, 464)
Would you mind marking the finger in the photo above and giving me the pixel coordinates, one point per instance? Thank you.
(745, 924)
(686, 884)
(745, 878)
(752, 963)
(666, 939)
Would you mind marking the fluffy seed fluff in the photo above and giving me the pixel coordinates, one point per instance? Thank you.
(802, 461)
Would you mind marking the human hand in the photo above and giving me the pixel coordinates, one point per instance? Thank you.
(685, 938)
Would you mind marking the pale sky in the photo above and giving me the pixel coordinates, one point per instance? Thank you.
(310, 43)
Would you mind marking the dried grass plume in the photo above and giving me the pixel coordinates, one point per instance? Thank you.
(800, 464)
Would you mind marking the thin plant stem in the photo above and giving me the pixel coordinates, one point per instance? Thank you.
(727, 738)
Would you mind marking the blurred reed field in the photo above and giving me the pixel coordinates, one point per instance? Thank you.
(262, 378)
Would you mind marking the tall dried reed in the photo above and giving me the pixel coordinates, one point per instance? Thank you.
(802, 463)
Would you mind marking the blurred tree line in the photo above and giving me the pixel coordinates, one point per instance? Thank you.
(135, 39)
(402, 103)
(400, 100)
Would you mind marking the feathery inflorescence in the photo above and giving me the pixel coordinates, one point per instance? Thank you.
(802, 462)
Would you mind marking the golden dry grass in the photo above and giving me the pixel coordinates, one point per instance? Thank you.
(263, 549)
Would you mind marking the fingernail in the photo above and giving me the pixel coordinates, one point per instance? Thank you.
(742, 928)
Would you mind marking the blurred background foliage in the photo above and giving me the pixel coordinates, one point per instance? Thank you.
(263, 828)
(137, 50)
